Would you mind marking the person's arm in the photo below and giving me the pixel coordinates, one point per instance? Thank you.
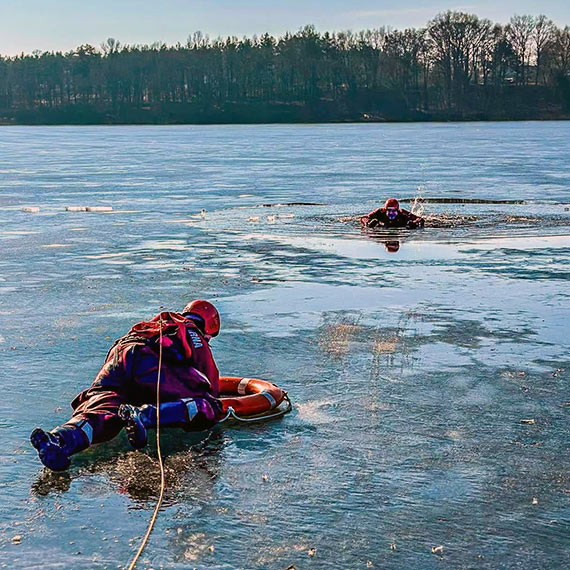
(413, 220)
(198, 349)
(375, 217)
(204, 362)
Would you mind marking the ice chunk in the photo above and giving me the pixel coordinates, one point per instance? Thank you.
(99, 209)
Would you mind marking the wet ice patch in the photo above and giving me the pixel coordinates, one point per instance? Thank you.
(334, 339)
(386, 346)
(104, 256)
(315, 412)
(195, 545)
(520, 243)
(101, 276)
(172, 245)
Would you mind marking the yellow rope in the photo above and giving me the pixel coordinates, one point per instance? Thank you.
(162, 476)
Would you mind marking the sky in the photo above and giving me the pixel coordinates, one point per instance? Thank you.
(62, 25)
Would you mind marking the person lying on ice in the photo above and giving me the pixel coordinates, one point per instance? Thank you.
(392, 216)
(125, 388)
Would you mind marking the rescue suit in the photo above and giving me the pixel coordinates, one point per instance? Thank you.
(403, 219)
(189, 380)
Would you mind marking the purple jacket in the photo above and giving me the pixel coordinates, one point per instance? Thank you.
(130, 371)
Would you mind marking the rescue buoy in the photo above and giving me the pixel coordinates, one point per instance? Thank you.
(249, 396)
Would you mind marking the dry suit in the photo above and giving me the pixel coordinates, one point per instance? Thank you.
(189, 380)
(404, 219)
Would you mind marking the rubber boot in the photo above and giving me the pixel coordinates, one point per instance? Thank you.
(135, 419)
(57, 446)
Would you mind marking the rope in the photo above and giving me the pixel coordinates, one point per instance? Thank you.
(162, 476)
(231, 414)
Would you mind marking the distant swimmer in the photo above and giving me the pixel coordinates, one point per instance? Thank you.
(392, 216)
(177, 345)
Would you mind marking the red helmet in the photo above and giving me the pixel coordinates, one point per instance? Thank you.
(392, 203)
(207, 312)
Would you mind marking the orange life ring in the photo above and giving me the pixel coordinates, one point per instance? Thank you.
(249, 396)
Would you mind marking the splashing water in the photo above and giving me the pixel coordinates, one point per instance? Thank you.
(418, 204)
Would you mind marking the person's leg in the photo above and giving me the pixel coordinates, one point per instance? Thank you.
(55, 447)
(191, 414)
(94, 421)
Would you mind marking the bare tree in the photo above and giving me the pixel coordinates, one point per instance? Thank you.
(457, 38)
(561, 51)
(110, 46)
(519, 32)
(543, 36)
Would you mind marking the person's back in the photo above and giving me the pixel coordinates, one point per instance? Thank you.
(188, 367)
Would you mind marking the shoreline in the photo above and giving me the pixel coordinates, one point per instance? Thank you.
(9, 123)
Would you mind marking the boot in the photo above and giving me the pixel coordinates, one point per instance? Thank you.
(57, 446)
(190, 414)
(135, 419)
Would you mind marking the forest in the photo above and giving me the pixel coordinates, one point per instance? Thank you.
(458, 67)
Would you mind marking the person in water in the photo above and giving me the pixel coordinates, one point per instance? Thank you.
(124, 390)
(392, 216)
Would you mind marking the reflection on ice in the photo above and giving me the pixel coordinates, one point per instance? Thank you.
(108, 255)
(174, 245)
(411, 249)
(102, 276)
(523, 243)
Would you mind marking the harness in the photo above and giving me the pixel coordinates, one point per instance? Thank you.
(148, 333)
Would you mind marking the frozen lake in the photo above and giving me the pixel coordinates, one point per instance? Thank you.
(412, 357)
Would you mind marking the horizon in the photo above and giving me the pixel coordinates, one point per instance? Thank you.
(63, 26)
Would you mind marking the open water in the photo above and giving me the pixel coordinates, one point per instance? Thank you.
(429, 369)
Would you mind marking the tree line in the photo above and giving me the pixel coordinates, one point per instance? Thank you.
(458, 67)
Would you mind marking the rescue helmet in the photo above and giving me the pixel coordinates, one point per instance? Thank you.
(207, 313)
(392, 203)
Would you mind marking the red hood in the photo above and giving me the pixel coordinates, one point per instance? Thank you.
(174, 327)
